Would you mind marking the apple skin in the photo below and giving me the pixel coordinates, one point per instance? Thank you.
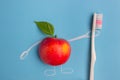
(54, 51)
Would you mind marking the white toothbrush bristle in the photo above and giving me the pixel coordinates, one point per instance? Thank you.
(99, 21)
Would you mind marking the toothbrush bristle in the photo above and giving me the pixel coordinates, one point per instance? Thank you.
(99, 21)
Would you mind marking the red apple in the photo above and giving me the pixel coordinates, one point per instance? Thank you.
(54, 51)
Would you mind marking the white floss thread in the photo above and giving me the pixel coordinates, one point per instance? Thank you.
(52, 72)
(66, 70)
(25, 53)
(87, 35)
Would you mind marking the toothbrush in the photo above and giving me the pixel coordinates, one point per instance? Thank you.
(97, 24)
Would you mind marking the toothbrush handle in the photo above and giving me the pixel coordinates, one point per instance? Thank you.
(93, 59)
(93, 54)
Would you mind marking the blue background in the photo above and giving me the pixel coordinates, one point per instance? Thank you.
(71, 18)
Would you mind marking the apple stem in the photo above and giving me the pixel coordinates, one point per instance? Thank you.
(55, 36)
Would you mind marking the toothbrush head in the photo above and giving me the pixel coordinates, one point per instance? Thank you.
(99, 21)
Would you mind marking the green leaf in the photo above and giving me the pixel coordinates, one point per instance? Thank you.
(45, 27)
